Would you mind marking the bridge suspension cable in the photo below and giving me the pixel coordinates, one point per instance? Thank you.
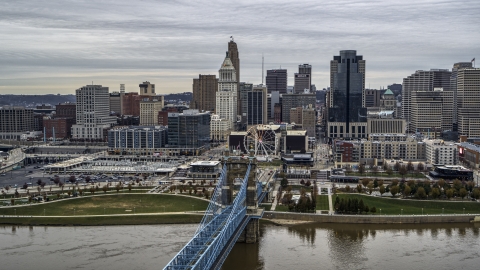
(212, 241)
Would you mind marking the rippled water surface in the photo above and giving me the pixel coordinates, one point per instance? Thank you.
(313, 246)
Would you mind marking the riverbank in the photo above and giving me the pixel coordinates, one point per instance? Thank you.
(372, 219)
(181, 218)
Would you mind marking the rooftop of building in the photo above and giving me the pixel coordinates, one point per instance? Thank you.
(471, 146)
(389, 134)
(205, 163)
(296, 132)
(439, 142)
(388, 92)
(451, 167)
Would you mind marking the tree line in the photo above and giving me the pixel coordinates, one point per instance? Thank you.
(352, 206)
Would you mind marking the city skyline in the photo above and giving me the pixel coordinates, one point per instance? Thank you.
(57, 47)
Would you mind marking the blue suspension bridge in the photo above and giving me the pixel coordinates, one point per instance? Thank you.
(232, 215)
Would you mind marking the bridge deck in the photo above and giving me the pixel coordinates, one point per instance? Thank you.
(222, 256)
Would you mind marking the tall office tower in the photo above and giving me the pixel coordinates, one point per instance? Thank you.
(276, 80)
(233, 55)
(303, 79)
(347, 115)
(13, 120)
(204, 91)
(453, 87)
(296, 115)
(93, 113)
(468, 101)
(116, 102)
(272, 99)
(147, 89)
(226, 98)
(257, 105)
(244, 89)
(295, 100)
(190, 129)
(431, 112)
(149, 109)
(131, 104)
(309, 120)
(421, 80)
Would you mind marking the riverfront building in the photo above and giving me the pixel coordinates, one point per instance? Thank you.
(133, 138)
(190, 129)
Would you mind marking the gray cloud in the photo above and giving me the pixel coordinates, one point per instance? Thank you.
(58, 46)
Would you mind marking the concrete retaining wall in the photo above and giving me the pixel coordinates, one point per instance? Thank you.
(371, 219)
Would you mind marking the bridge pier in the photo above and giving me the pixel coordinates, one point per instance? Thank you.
(236, 169)
(251, 233)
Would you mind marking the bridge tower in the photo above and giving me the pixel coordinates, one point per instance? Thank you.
(237, 168)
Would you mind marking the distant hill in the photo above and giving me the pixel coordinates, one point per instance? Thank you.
(186, 96)
(34, 100)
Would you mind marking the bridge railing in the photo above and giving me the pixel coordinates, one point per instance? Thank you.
(233, 221)
(215, 205)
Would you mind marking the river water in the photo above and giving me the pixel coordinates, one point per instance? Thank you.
(311, 246)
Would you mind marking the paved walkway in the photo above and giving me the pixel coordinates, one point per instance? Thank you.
(274, 194)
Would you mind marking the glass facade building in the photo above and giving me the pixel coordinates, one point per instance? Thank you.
(190, 129)
(347, 100)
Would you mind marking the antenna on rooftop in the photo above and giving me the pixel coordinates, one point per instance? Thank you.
(262, 68)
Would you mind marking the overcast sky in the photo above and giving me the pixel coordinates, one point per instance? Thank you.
(57, 46)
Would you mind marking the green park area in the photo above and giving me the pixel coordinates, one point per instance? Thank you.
(95, 210)
(388, 175)
(394, 206)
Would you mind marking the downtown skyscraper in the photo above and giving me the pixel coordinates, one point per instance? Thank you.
(347, 115)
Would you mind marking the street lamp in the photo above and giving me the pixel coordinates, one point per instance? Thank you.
(422, 210)
(401, 211)
(442, 211)
(380, 211)
(464, 210)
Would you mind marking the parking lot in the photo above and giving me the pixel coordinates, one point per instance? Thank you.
(32, 173)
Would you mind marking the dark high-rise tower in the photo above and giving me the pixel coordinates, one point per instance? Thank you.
(276, 80)
(303, 79)
(347, 115)
(233, 55)
(204, 93)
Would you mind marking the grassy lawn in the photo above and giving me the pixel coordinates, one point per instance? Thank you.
(111, 204)
(382, 174)
(322, 202)
(411, 207)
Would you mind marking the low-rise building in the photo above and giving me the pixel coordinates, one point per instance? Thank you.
(441, 152)
(469, 153)
(137, 139)
(219, 128)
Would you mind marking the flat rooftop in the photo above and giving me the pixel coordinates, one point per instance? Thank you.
(205, 163)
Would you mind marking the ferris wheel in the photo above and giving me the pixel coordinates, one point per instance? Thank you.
(263, 141)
